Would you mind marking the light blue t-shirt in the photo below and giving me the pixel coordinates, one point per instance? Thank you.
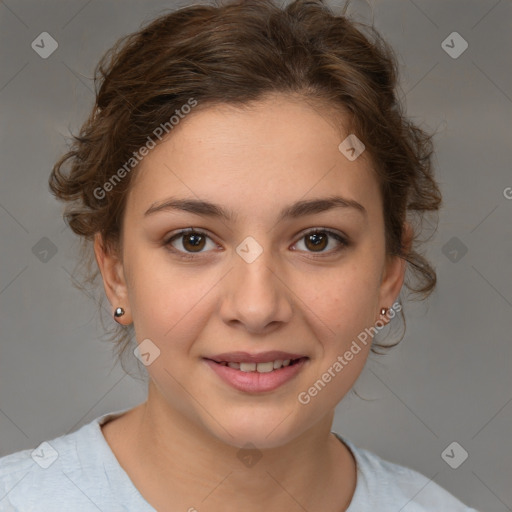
(78, 472)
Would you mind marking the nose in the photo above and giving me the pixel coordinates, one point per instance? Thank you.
(256, 295)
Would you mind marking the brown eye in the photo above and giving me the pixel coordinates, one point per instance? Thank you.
(193, 242)
(317, 240)
(188, 241)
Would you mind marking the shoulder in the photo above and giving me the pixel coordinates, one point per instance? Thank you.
(42, 468)
(15, 472)
(66, 472)
(383, 485)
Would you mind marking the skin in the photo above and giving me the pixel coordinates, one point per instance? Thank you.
(180, 446)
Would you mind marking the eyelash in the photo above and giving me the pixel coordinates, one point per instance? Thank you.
(190, 256)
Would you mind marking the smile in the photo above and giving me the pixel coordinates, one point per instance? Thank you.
(265, 367)
(252, 377)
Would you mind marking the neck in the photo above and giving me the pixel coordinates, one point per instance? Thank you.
(192, 469)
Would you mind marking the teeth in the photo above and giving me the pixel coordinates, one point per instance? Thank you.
(265, 367)
(247, 367)
(258, 367)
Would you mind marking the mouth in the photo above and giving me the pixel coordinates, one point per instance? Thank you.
(257, 373)
(263, 362)
(263, 367)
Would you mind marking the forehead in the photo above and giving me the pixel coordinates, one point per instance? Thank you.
(274, 152)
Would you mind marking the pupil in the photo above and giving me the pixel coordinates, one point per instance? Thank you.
(194, 240)
(318, 240)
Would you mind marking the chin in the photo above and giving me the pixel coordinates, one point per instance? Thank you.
(259, 430)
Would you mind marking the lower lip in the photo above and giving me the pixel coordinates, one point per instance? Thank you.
(255, 382)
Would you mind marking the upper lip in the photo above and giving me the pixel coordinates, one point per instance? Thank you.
(245, 357)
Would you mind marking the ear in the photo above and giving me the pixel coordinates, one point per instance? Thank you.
(394, 273)
(112, 272)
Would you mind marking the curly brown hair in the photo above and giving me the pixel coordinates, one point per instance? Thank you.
(234, 53)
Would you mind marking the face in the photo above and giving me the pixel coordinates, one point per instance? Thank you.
(274, 275)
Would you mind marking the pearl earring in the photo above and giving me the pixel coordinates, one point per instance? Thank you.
(117, 313)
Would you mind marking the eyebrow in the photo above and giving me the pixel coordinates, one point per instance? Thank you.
(295, 210)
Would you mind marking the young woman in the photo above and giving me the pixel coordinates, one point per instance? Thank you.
(249, 184)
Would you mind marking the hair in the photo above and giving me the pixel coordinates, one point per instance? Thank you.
(235, 53)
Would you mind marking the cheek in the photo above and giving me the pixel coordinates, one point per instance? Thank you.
(341, 303)
(168, 300)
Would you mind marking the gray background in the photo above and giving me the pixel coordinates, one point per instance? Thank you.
(449, 380)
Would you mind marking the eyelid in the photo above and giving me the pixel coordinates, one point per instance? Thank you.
(323, 229)
(185, 231)
(342, 239)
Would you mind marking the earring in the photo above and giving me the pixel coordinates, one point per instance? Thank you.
(383, 311)
(117, 313)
